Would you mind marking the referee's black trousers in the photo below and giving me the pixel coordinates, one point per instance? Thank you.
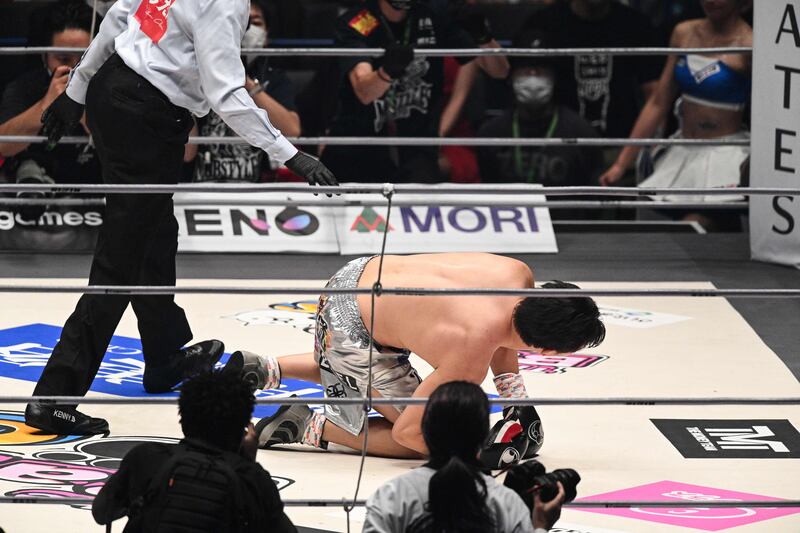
(140, 137)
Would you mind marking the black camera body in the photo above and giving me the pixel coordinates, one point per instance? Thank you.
(29, 171)
(531, 476)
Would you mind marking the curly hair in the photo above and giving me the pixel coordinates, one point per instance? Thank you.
(216, 408)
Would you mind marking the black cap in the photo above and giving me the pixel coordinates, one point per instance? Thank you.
(534, 39)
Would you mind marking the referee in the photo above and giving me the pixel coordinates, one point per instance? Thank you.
(153, 64)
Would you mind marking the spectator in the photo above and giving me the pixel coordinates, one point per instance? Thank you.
(602, 88)
(215, 410)
(457, 164)
(398, 94)
(450, 493)
(271, 90)
(66, 24)
(536, 115)
(712, 94)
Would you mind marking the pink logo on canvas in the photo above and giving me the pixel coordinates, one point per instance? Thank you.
(556, 364)
(697, 517)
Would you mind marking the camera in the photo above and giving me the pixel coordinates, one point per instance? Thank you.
(29, 171)
(531, 476)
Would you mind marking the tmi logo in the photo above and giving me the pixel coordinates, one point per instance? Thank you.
(732, 439)
(746, 439)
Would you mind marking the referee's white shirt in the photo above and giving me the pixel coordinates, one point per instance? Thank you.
(196, 64)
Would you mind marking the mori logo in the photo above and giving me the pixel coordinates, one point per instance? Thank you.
(369, 220)
(732, 439)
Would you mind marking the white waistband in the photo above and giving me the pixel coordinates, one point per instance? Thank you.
(715, 105)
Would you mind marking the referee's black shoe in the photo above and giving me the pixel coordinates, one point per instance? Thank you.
(63, 420)
(186, 362)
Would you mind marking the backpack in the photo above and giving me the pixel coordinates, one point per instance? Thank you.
(195, 491)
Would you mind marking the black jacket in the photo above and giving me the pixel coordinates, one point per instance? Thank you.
(144, 461)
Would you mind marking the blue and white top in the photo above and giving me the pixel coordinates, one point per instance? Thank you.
(710, 82)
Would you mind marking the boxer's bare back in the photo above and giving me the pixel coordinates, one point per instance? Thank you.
(461, 337)
(434, 327)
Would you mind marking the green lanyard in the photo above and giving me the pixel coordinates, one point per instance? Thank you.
(518, 149)
(389, 95)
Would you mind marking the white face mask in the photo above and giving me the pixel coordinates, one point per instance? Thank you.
(254, 37)
(532, 90)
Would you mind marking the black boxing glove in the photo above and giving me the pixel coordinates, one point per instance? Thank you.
(518, 435)
(396, 58)
(532, 427)
(311, 169)
(506, 444)
(59, 117)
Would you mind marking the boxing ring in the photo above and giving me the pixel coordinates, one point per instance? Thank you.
(679, 359)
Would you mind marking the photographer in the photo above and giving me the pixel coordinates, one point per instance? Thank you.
(203, 483)
(450, 493)
(65, 24)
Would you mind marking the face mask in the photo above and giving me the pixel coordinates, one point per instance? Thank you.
(401, 5)
(532, 90)
(254, 37)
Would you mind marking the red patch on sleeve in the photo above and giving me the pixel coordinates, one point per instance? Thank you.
(364, 23)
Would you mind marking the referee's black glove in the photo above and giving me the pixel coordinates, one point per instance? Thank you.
(314, 172)
(62, 115)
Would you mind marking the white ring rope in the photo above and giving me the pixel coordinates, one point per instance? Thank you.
(434, 52)
(430, 141)
(130, 290)
(352, 188)
(336, 202)
(594, 504)
(365, 401)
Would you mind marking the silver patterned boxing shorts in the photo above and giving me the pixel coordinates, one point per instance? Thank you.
(341, 348)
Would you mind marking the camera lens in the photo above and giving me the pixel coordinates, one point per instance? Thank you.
(520, 479)
(569, 479)
(31, 172)
(524, 477)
